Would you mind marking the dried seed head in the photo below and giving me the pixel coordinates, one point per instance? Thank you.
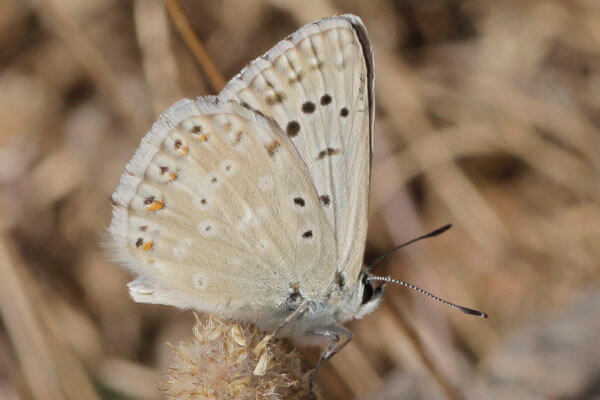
(231, 360)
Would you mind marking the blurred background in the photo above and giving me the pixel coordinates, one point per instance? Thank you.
(488, 117)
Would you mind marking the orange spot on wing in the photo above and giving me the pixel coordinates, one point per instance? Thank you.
(186, 150)
(148, 246)
(172, 176)
(203, 138)
(156, 205)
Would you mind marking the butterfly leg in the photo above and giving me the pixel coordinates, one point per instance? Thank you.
(335, 333)
(294, 315)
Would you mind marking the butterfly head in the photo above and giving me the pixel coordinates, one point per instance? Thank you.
(370, 295)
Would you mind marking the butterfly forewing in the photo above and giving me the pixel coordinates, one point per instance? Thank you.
(317, 85)
(214, 208)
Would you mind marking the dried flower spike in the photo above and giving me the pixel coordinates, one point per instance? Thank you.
(230, 360)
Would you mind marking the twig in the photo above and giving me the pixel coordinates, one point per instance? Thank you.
(182, 23)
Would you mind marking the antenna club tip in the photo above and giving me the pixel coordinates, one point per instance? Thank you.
(439, 231)
(473, 312)
(445, 228)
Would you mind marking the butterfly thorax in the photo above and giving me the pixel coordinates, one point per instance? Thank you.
(340, 304)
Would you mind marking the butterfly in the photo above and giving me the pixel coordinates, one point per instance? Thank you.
(253, 204)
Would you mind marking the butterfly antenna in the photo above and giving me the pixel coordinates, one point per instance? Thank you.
(427, 235)
(464, 309)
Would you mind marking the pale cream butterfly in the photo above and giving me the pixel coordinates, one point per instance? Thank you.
(253, 204)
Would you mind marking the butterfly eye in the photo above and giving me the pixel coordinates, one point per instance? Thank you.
(367, 292)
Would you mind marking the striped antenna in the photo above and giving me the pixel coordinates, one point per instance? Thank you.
(466, 310)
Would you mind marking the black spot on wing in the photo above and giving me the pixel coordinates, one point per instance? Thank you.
(339, 279)
(327, 152)
(325, 99)
(292, 129)
(308, 107)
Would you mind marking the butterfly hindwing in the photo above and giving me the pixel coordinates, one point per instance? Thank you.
(214, 208)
